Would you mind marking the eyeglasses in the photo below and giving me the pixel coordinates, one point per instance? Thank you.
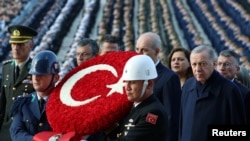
(226, 65)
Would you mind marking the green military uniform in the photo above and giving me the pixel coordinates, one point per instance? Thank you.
(11, 88)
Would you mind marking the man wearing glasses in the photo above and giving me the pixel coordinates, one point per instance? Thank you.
(86, 49)
(228, 66)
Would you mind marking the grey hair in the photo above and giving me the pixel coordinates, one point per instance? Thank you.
(92, 43)
(244, 76)
(155, 38)
(230, 53)
(31, 42)
(207, 48)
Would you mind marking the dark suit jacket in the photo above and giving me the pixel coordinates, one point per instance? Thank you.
(246, 97)
(146, 122)
(27, 118)
(247, 108)
(219, 102)
(10, 89)
(168, 91)
(243, 89)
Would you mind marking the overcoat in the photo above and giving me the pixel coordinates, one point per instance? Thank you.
(168, 90)
(246, 98)
(219, 102)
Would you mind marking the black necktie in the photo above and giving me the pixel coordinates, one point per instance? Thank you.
(17, 71)
(133, 109)
(41, 104)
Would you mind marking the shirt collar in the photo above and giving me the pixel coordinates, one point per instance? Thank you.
(20, 65)
(39, 97)
(136, 104)
(157, 62)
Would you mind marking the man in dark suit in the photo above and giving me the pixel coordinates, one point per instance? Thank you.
(147, 120)
(167, 87)
(86, 49)
(28, 112)
(228, 66)
(208, 98)
(15, 78)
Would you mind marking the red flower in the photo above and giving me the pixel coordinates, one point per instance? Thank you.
(91, 97)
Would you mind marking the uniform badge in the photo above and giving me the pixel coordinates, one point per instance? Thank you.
(33, 98)
(7, 77)
(7, 61)
(27, 81)
(151, 118)
(16, 32)
(128, 126)
(118, 135)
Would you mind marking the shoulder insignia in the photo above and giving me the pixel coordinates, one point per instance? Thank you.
(151, 118)
(7, 61)
(33, 97)
(18, 104)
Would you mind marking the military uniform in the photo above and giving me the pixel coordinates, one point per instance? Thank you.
(12, 87)
(27, 118)
(146, 122)
(10, 90)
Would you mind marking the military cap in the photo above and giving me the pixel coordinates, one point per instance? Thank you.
(20, 33)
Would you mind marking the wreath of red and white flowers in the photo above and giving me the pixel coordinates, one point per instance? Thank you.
(91, 97)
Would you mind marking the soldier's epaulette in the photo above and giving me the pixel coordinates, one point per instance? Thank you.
(7, 61)
(18, 104)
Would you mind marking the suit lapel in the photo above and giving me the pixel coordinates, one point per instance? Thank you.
(159, 68)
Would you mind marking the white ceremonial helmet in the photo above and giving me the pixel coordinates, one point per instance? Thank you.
(139, 67)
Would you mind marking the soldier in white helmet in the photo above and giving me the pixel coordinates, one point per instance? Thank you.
(147, 120)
